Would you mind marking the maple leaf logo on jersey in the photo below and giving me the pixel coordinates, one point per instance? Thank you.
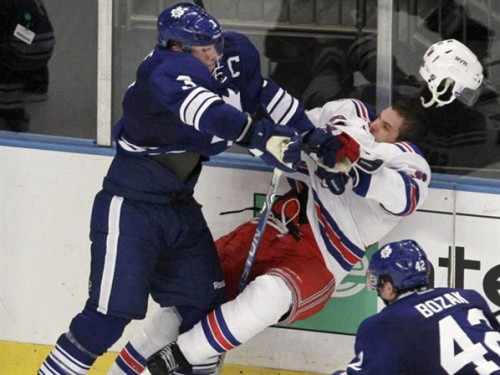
(233, 98)
(386, 252)
(178, 12)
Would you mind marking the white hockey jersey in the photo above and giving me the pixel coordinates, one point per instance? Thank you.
(345, 225)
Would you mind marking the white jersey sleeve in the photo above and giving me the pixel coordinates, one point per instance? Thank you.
(351, 110)
(401, 183)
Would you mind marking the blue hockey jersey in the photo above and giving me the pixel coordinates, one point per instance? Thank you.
(439, 331)
(177, 105)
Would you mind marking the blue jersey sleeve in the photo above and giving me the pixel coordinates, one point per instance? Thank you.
(244, 63)
(374, 351)
(186, 87)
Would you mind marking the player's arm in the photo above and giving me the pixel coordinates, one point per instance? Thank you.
(400, 185)
(280, 106)
(189, 94)
(256, 90)
(350, 112)
(349, 120)
(374, 353)
(192, 99)
(479, 301)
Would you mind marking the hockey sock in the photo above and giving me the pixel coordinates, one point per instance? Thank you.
(90, 335)
(157, 331)
(67, 358)
(261, 304)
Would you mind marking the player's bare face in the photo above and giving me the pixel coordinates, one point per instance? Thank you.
(387, 125)
(207, 55)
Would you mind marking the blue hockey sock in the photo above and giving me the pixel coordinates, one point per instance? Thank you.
(90, 335)
(68, 357)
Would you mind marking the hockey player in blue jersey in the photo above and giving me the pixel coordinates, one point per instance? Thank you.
(422, 330)
(191, 99)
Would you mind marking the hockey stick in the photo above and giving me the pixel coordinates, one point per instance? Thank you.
(261, 226)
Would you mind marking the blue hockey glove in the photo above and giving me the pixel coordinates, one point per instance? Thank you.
(335, 181)
(278, 145)
(332, 146)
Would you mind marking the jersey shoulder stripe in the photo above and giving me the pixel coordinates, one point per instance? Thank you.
(195, 104)
(412, 192)
(360, 108)
(282, 107)
(408, 147)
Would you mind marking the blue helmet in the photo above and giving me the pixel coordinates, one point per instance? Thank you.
(190, 25)
(404, 261)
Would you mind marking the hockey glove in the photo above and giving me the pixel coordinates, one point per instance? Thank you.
(278, 145)
(332, 146)
(335, 181)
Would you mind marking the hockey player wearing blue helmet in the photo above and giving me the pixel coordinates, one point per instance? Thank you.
(192, 98)
(422, 330)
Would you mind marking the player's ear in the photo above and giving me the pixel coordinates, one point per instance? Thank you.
(175, 46)
(391, 291)
(387, 287)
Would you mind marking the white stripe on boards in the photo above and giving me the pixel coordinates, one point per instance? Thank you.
(111, 252)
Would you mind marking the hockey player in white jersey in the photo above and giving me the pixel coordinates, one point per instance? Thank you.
(319, 230)
(445, 330)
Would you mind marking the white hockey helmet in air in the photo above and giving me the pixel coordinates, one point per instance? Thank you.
(448, 63)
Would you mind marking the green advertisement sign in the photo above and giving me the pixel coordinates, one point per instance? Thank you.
(350, 305)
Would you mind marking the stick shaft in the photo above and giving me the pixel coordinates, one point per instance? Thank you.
(261, 226)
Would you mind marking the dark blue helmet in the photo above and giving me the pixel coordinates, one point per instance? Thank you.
(190, 25)
(404, 261)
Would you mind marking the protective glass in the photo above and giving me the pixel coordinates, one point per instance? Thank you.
(469, 97)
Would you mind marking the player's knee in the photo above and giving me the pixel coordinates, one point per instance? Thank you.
(96, 332)
(268, 298)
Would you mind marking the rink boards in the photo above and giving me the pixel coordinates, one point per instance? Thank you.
(47, 195)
